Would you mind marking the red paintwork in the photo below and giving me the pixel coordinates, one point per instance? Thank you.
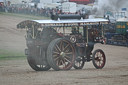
(82, 1)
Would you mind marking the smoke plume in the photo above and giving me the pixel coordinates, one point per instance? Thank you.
(109, 5)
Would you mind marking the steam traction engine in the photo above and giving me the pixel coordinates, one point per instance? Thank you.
(63, 44)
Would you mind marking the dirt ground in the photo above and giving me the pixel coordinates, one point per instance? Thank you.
(18, 72)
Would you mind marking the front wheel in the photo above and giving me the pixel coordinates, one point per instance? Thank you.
(61, 54)
(98, 59)
(79, 62)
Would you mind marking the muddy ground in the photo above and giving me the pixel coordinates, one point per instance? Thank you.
(18, 72)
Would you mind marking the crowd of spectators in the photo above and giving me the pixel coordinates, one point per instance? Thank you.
(31, 10)
(34, 10)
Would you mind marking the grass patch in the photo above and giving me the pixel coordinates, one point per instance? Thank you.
(8, 55)
(25, 16)
(13, 58)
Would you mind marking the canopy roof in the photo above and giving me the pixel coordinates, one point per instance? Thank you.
(61, 23)
(122, 20)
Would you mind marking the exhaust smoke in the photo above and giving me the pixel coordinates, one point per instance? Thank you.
(101, 6)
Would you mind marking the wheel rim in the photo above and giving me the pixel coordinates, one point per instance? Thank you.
(63, 54)
(99, 59)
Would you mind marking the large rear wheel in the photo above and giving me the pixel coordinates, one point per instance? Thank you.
(61, 54)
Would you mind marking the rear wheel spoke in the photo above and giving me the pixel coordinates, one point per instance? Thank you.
(69, 53)
(58, 48)
(66, 47)
(56, 53)
(67, 60)
(56, 58)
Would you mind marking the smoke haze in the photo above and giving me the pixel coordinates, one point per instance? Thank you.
(109, 5)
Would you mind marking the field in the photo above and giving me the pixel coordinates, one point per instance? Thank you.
(14, 69)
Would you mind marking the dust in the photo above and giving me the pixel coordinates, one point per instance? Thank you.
(11, 39)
